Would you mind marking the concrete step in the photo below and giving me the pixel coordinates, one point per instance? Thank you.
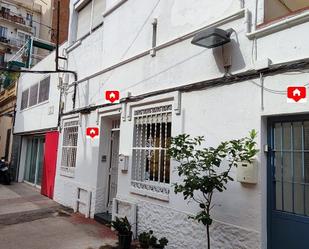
(103, 218)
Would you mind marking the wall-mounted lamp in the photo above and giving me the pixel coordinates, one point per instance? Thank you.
(212, 37)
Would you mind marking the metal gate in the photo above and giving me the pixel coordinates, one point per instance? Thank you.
(288, 183)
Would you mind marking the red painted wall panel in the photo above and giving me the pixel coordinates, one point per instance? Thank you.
(50, 161)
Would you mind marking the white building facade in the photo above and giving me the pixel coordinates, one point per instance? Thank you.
(169, 86)
(37, 124)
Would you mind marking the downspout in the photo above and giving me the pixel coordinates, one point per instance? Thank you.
(63, 58)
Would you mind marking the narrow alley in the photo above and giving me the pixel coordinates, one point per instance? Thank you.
(31, 221)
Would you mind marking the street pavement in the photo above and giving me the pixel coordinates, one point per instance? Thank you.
(29, 220)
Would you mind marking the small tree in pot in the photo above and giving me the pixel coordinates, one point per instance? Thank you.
(199, 168)
(123, 227)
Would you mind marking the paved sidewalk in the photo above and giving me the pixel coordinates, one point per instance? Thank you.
(29, 220)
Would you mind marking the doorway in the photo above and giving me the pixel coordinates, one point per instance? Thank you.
(113, 165)
(108, 170)
(113, 169)
(288, 183)
(34, 160)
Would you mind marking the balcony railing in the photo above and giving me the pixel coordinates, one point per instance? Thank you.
(13, 18)
(12, 41)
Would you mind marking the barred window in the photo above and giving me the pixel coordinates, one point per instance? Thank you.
(44, 89)
(69, 144)
(33, 97)
(152, 133)
(24, 99)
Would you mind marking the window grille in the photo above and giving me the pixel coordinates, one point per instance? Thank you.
(151, 164)
(24, 99)
(33, 97)
(116, 124)
(290, 162)
(44, 89)
(69, 145)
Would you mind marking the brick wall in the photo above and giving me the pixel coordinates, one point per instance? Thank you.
(64, 21)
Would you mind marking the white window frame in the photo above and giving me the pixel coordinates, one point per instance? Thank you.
(154, 185)
(66, 170)
(46, 100)
(78, 7)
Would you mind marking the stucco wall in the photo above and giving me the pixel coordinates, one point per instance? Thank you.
(43, 115)
(220, 113)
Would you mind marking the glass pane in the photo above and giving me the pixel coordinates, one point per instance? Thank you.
(306, 167)
(40, 161)
(278, 188)
(298, 167)
(31, 160)
(287, 182)
(286, 132)
(297, 135)
(299, 199)
(306, 135)
(278, 179)
(277, 136)
(307, 200)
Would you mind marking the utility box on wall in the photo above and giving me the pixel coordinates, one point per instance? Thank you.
(247, 172)
(123, 162)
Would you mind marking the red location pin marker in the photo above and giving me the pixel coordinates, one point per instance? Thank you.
(296, 94)
(112, 96)
(92, 132)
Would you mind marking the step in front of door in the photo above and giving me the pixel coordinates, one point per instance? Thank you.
(103, 218)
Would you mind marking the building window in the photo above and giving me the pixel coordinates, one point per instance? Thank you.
(83, 21)
(69, 145)
(29, 18)
(24, 99)
(277, 9)
(98, 9)
(33, 96)
(89, 16)
(44, 89)
(290, 159)
(150, 162)
(3, 32)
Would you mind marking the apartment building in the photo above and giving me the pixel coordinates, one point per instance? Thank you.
(28, 35)
(39, 99)
(169, 86)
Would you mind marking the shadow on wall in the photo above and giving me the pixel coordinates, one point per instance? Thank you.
(229, 54)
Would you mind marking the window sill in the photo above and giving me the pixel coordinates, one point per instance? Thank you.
(155, 191)
(113, 8)
(78, 42)
(34, 106)
(280, 25)
(67, 172)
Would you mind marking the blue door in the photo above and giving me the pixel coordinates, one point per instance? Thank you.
(288, 183)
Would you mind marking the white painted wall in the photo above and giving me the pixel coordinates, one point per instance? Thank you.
(38, 117)
(219, 113)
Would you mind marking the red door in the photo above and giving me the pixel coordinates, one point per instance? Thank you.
(50, 161)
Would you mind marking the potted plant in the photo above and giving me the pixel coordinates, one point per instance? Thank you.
(123, 227)
(162, 243)
(144, 239)
(148, 241)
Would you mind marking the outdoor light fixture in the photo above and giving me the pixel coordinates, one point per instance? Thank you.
(212, 37)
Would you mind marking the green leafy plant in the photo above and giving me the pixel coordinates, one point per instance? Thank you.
(147, 239)
(144, 239)
(122, 226)
(201, 169)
